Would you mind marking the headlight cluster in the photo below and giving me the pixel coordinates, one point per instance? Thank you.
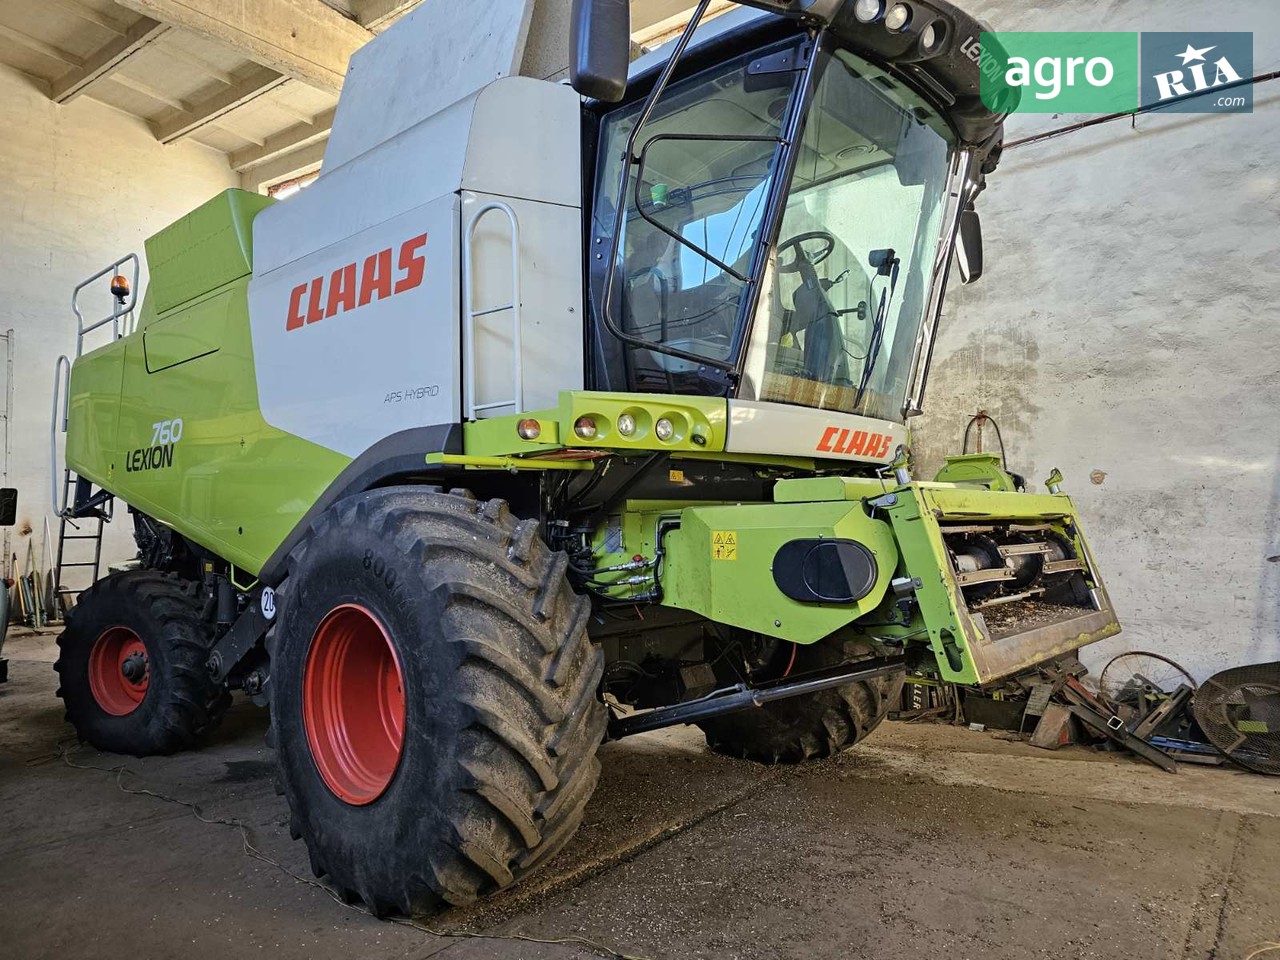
(899, 18)
(634, 424)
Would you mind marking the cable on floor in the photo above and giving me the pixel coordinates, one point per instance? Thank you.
(67, 748)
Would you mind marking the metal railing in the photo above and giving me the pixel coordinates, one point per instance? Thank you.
(472, 314)
(123, 308)
(58, 424)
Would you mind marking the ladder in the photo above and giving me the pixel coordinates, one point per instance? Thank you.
(93, 511)
(82, 513)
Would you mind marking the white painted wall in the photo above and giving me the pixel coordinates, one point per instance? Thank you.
(1128, 323)
(80, 185)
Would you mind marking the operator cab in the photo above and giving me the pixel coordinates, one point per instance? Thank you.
(790, 207)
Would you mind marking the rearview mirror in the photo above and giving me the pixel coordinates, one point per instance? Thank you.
(600, 54)
(969, 246)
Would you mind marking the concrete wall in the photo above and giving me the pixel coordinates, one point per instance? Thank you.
(80, 185)
(1128, 324)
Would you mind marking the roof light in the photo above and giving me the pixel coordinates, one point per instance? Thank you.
(868, 11)
(931, 36)
(119, 287)
(898, 18)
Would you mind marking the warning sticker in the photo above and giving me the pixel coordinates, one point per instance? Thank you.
(724, 545)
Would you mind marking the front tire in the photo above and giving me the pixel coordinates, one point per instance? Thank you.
(434, 698)
(132, 665)
(815, 725)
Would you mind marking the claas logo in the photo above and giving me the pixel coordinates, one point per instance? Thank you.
(860, 442)
(355, 285)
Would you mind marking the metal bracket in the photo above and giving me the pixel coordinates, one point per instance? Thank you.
(250, 627)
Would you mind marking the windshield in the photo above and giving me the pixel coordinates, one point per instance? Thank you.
(845, 292)
(697, 196)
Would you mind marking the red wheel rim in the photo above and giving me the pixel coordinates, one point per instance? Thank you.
(353, 704)
(119, 672)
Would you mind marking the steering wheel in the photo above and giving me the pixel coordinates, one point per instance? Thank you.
(798, 241)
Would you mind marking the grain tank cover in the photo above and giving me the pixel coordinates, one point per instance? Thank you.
(429, 59)
(211, 246)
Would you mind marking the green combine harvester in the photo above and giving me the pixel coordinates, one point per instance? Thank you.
(553, 414)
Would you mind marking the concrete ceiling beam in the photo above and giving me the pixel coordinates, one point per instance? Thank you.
(107, 59)
(287, 141)
(186, 122)
(303, 39)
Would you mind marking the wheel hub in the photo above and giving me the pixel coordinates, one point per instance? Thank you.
(353, 704)
(119, 671)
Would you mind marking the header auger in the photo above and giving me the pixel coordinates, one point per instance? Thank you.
(463, 466)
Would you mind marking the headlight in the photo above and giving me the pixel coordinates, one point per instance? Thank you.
(626, 424)
(665, 429)
(931, 37)
(898, 18)
(868, 11)
(585, 427)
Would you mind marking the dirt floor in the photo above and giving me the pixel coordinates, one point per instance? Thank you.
(925, 841)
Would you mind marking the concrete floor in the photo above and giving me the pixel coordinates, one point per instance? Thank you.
(925, 841)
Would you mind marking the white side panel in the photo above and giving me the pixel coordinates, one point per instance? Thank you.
(415, 168)
(526, 141)
(550, 300)
(438, 54)
(345, 354)
(800, 431)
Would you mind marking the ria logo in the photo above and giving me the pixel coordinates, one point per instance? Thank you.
(1192, 79)
(349, 289)
(1198, 72)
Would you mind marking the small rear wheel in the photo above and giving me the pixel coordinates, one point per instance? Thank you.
(814, 725)
(132, 665)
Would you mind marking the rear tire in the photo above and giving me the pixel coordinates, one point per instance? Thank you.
(815, 725)
(470, 755)
(132, 666)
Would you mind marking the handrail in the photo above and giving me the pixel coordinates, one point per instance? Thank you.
(61, 392)
(471, 314)
(122, 308)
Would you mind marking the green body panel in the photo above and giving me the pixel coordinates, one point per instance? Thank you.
(223, 478)
(208, 248)
(719, 563)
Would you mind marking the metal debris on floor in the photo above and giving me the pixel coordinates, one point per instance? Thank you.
(1142, 703)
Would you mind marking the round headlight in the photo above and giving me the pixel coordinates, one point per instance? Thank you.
(585, 427)
(626, 424)
(868, 11)
(665, 429)
(931, 37)
(898, 18)
(529, 429)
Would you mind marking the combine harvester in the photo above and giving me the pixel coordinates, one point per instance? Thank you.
(551, 414)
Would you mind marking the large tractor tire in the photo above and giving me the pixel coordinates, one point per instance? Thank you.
(812, 726)
(132, 665)
(433, 698)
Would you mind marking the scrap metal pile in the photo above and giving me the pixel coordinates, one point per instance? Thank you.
(1142, 703)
